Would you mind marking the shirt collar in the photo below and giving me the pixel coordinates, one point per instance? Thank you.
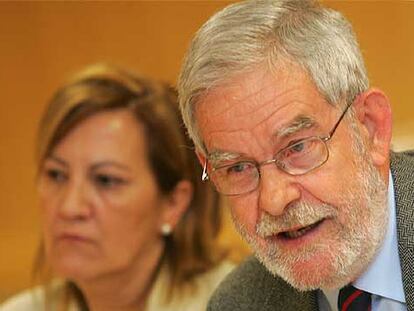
(383, 276)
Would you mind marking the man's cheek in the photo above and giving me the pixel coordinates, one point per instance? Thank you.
(244, 214)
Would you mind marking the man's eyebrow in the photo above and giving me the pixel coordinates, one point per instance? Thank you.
(298, 124)
(217, 156)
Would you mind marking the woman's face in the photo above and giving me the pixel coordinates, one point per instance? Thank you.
(101, 207)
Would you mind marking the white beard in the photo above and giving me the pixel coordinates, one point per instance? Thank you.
(348, 253)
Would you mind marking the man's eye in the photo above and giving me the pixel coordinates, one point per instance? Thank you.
(56, 175)
(298, 147)
(239, 168)
(107, 181)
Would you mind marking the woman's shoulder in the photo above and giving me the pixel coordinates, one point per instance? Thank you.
(33, 299)
(190, 299)
(30, 299)
(223, 268)
(211, 278)
(205, 284)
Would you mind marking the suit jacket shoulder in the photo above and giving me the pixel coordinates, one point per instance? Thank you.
(402, 170)
(251, 287)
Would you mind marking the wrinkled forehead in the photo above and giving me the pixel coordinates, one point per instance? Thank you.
(260, 98)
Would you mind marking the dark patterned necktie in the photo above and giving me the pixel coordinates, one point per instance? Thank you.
(353, 299)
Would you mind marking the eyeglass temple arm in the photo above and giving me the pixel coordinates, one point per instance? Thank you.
(204, 175)
(339, 121)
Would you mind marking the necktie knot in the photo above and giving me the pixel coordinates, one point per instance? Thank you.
(353, 299)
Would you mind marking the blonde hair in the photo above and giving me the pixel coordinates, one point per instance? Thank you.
(191, 249)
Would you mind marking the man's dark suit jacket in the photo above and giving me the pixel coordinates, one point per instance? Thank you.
(252, 287)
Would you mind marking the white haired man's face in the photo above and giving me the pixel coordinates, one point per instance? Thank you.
(316, 230)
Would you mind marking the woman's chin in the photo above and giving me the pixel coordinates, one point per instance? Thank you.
(69, 272)
(73, 268)
(72, 262)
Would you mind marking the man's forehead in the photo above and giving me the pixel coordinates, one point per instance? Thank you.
(258, 86)
(245, 92)
(252, 99)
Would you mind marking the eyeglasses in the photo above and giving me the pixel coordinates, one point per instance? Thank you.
(299, 158)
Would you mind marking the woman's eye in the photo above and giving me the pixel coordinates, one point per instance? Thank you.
(107, 181)
(56, 175)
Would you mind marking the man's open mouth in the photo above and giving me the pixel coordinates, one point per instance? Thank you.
(294, 234)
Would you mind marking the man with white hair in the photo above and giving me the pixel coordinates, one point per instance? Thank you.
(276, 97)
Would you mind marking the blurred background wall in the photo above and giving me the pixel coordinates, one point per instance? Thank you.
(42, 43)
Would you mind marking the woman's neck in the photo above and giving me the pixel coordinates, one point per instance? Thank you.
(122, 290)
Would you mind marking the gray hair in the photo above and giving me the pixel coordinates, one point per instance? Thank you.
(246, 34)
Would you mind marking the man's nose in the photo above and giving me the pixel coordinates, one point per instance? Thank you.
(276, 191)
(74, 203)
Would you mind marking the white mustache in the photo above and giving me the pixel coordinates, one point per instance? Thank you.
(300, 214)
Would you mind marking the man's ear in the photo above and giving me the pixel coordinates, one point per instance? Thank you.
(373, 111)
(176, 203)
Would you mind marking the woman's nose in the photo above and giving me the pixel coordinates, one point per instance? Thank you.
(74, 203)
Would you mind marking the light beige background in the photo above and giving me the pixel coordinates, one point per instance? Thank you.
(42, 43)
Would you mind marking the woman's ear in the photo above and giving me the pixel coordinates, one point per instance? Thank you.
(373, 111)
(175, 204)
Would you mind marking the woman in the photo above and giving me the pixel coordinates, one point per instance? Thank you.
(127, 222)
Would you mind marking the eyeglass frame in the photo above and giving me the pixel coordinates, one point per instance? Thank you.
(258, 165)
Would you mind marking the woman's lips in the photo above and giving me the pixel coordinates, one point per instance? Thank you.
(73, 237)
